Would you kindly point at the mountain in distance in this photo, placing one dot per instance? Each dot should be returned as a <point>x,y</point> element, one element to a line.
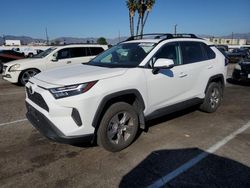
<point>69,40</point>
<point>24,39</point>
<point>61,40</point>
<point>235,36</point>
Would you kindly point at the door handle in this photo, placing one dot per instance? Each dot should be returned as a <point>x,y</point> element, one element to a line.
<point>68,62</point>
<point>182,74</point>
<point>210,66</point>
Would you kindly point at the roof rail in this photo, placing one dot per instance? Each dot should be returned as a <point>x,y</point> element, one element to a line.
<point>162,36</point>
<point>184,35</point>
<point>156,36</point>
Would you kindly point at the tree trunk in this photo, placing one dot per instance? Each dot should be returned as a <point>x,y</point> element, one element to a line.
<point>142,17</point>
<point>138,24</point>
<point>131,26</point>
<point>145,19</point>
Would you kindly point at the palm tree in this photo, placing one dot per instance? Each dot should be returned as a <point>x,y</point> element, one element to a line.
<point>149,5</point>
<point>143,9</point>
<point>132,6</point>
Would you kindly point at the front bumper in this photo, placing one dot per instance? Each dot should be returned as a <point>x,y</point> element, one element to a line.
<point>240,75</point>
<point>49,130</point>
<point>11,76</point>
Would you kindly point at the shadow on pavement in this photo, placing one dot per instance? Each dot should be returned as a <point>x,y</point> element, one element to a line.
<point>235,82</point>
<point>212,171</point>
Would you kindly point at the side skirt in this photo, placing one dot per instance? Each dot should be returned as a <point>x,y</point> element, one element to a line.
<point>173,108</point>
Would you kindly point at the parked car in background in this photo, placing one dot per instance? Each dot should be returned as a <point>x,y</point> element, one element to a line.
<point>9,55</point>
<point>222,48</point>
<point>237,54</point>
<point>28,51</point>
<point>241,71</point>
<point>20,71</point>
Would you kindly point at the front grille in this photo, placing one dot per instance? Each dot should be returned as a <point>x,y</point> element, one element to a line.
<point>37,99</point>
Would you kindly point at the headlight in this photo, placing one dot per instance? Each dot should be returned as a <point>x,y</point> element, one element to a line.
<point>238,67</point>
<point>14,67</point>
<point>71,90</point>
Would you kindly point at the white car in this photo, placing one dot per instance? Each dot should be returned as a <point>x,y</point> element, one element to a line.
<point>113,95</point>
<point>20,71</point>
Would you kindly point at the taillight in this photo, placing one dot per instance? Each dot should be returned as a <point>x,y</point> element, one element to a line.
<point>226,61</point>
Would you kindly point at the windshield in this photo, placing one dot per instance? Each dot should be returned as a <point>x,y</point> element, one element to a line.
<point>44,54</point>
<point>123,55</point>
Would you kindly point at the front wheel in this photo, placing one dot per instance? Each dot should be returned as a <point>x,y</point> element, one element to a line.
<point>213,98</point>
<point>118,127</point>
<point>26,75</point>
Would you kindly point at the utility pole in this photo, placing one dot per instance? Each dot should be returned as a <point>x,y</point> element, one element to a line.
<point>119,36</point>
<point>232,37</point>
<point>47,37</point>
<point>175,29</point>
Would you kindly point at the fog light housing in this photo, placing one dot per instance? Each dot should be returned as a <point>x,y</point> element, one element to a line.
<point>76,117</point>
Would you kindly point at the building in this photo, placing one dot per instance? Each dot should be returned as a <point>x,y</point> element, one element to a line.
<point>12,43</point>
<point>223,41</point>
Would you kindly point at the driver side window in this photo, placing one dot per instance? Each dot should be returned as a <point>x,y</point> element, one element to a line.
<point>168,51</point>
<point>63,54</point>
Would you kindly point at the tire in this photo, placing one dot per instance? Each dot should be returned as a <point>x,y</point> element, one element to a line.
<point>30,55</point>
<point>115,134</point>
<point>26,75</point>
<point>213,98</point>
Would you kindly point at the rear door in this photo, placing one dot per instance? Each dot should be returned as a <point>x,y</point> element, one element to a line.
<point>198,61</point>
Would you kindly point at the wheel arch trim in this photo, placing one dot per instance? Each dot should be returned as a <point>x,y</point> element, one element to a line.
<point>108,98</point>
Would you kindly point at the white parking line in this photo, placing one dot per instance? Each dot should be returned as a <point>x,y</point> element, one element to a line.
<point>12,122</point>
<point>168,177</point>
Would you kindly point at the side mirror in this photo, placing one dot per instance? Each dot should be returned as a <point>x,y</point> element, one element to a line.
<point>54,59</point>
<point>162,63</point>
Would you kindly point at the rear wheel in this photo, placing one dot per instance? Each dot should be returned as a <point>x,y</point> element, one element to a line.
<point>213,98</point>
<point>26,75</point>
<point>118,127</point>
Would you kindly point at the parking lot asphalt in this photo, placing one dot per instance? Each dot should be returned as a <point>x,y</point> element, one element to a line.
<point>185,149</point>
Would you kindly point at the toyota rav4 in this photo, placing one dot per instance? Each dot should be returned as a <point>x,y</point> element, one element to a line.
<point>110,98</point>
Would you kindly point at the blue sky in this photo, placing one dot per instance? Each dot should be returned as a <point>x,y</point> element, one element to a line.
<point>95,18</point>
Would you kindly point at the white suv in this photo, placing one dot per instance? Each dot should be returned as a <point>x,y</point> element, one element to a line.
<point>20,71</point>
<point>111,97</point>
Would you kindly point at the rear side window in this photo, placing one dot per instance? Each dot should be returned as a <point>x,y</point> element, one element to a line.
<point>96,50</point>
<point>210,52</point>
<point>192,52</point>
<point>78,52</point>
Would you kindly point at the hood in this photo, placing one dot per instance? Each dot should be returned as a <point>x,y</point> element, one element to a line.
<point>23,61</point>
<point>76,74</point>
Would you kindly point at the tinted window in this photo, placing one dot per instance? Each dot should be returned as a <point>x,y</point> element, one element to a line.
<point>78,52</point>
<point>63,54</point>
<point>96,50</point>
<point>210,52</point>
<point>192,52</point>
<point>169,51</point>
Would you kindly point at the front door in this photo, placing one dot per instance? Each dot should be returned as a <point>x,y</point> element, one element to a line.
<point>169,86</point>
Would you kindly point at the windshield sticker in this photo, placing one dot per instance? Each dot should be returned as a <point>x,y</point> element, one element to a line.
<point>146,44</point>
